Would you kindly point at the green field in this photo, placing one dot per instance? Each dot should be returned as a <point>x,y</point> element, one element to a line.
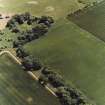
<point>92,20</point>
<point>18,88</point>
<point>74,53</point>
<point>77,55</point>
<point>54,8</point>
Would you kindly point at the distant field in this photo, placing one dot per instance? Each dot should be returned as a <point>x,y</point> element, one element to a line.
<point>77,55</point>
<point>93,20</point>
<point>18,88</point>
<point>39,7</point>
<point>54,8</point>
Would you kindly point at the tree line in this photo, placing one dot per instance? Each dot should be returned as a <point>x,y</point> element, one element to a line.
<point>67,94</point>
<point>28,61</point>
<point>40,26</point>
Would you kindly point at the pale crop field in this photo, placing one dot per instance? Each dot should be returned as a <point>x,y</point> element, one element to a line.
<point>18,88</point>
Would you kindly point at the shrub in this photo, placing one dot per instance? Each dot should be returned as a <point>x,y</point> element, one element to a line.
<point>31,64</point>
<point>21,53</point>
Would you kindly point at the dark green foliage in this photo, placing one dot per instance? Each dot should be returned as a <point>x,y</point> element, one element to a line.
<point>18,43</point>
<point>43,80</point>
<point>54,78</point>
<point>31,20</point>
<point>66,94</point>
<point>11,24</point>
<point>46,71</point>
<point>70,96</point>
<point>39,28</point>
<point>31,64</point>
<point>15,30</point>
<point>66,100</point>
<point>21,53</point>
<point>15,44</point>
<point>46,20</point>
<point>19,19</point>
<point>62,92</point>
<point>76,97</point>
<point>26,16</point>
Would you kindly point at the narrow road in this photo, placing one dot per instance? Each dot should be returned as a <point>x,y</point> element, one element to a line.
<point>29,72</point>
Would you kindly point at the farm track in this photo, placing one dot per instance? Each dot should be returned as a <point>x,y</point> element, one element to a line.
<point>4,20</point>
<point>35,77</point>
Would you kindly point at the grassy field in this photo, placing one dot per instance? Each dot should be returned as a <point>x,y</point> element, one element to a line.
<point>18,88</point>
<point>74,53</point>
<point>54,8</point>
<point>77,55</point>
<point>93,20</point>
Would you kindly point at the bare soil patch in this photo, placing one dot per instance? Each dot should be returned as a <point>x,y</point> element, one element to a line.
<point>4,18</point>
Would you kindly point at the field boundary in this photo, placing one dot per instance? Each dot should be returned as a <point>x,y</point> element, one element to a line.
<point>29,72</point>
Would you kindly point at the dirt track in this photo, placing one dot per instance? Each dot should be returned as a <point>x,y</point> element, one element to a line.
<point>4,21</point>
<point>29,72</point>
